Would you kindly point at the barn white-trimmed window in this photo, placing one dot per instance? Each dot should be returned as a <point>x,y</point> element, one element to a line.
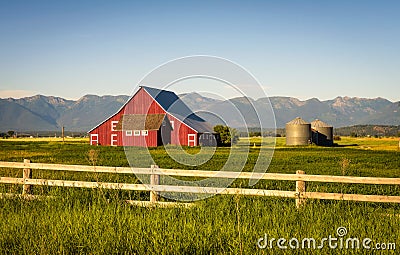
<point>172,124</point>
<point>136,133</point>
<point>145,132</point>
<point>128,132</point>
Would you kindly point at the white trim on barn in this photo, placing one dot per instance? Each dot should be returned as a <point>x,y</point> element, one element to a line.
<point>92,140</point>
<point>192,139</point>
<point>112,140</point>
<point>114,124</point>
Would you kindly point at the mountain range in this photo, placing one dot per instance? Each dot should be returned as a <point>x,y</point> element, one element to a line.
<point>48,113</point>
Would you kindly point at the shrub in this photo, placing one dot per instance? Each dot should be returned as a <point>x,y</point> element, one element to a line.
<point>227,135</point>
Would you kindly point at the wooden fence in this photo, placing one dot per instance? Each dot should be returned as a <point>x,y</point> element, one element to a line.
<point>300,194</point>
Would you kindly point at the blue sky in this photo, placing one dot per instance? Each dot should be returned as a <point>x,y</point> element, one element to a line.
<point>303,49</point>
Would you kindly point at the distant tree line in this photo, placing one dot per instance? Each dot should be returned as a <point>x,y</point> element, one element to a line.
<point>12,133</point>
<point>368,130</point>
<point>257,132</point>
<point>8,134</point>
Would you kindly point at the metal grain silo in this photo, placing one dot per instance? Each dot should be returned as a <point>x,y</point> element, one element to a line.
<point>322,133</point>
<point>298,132</point>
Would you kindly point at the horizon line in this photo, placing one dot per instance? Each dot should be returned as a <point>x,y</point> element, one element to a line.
<point>194,92</point>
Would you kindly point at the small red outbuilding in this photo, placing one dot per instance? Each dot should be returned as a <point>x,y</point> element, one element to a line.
<point>150,118</point>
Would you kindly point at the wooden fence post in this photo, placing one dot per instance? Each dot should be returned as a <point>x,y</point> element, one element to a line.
<point>300,189</point>
<point>27,174</point>
<point>154,180</point>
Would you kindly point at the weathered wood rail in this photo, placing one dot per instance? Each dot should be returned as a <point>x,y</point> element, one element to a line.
<point>300,194</point>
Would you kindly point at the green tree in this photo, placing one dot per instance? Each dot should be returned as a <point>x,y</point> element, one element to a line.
<point>353,134</point>
<point>227,135</point>
<point>254,134</point>
<point>10,133</point>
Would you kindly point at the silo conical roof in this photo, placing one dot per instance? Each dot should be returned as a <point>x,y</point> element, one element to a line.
<point>319,123</point>
<point>297,121</point>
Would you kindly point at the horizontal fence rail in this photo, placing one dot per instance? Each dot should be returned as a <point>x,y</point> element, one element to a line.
<point>204,173</point>
<point>155,188</point>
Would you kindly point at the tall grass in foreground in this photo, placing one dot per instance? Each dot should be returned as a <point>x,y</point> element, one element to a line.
<point>83,221</point>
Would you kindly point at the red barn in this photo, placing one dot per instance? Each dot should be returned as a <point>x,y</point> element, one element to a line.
<point>150,118</point>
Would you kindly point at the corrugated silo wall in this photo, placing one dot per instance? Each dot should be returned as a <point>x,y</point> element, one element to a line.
<point>324,136</point>
<point>298,134</point>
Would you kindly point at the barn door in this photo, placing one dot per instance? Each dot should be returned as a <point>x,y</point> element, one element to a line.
<point>166,130</point>
<point>192,140</point>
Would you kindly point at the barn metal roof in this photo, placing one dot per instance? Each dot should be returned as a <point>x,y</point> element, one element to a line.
<point>172,104</point>
<point>297,121</point>
<point>319,123</point>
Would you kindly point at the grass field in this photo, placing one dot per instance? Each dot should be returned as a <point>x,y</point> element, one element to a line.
<point>82,221</point>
